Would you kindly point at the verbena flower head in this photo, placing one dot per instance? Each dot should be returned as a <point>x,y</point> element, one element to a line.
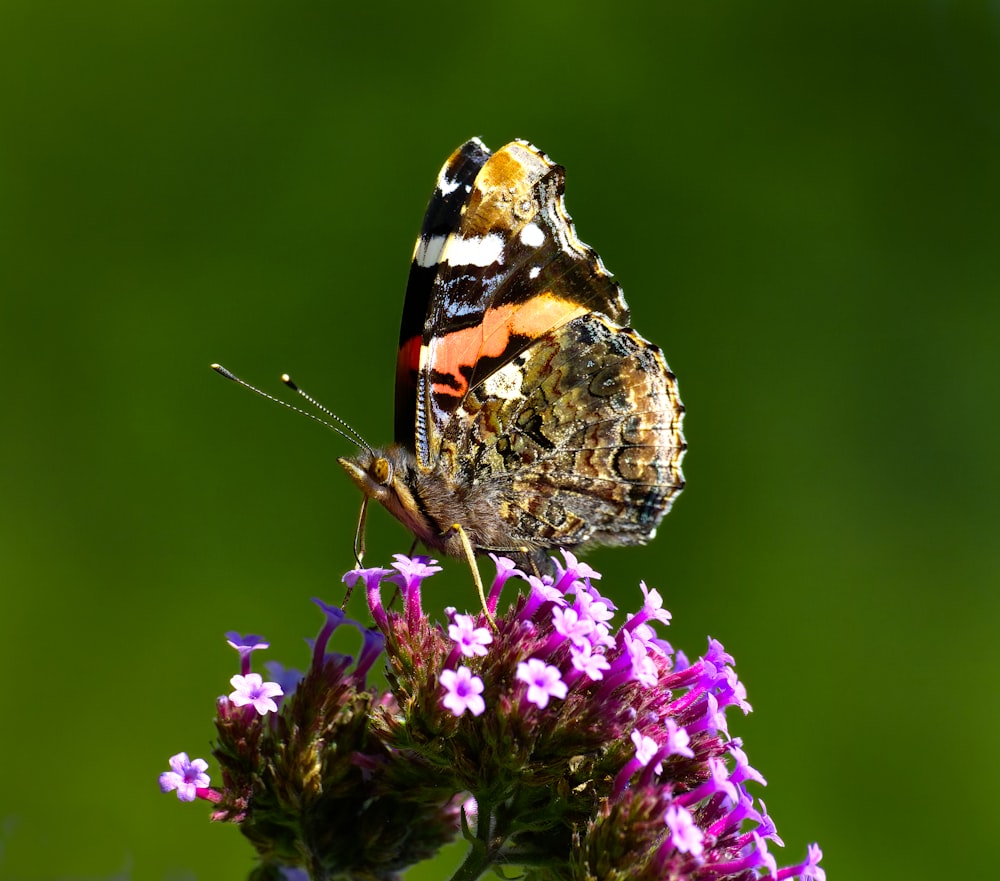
<point>548,736</point>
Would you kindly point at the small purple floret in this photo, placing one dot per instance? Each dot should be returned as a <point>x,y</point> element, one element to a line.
<point>186,775</point>
<point>246,646</point>
<point>286,677</point>
<point>685,835</point>
<point>506,569</point>
<point>373,581</point>
<point>645,749</point>
<point>544,681</point>
<point>464,691</point>
<point>588,662</point>
<point>410,572</point>
<point>472,640</point>
<point>373,646</point>
<point>252,690</point>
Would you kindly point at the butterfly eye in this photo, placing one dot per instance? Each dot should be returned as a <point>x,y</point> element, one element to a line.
<point>381,471</point>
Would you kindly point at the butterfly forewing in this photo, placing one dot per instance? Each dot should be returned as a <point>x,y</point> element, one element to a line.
<point>511,270</point>
<point>452,190</point>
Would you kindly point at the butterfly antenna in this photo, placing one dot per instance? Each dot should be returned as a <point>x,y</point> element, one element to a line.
<point>353,437</point>
<point>326,411</point>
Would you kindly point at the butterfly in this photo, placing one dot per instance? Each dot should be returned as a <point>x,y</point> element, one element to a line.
<point>529,416</point>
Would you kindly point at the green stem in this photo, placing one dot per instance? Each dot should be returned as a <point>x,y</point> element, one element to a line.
<point>475,864</point>
<point>485,846</point>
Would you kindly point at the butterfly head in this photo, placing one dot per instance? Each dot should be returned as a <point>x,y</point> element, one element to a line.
<point>388,476</point>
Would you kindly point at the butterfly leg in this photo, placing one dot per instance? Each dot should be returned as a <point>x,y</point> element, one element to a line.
<point>470,557</point>
<point>359,535</point>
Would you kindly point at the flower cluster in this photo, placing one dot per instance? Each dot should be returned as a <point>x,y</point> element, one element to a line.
<point>546,736</point>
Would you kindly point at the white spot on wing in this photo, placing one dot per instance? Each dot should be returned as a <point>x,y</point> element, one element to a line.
<point>532,235</point>
<point>505,383</point>
<point>534,272</point>
<point>428,251</point>
<point>446,185</point>
<point>473,252</point>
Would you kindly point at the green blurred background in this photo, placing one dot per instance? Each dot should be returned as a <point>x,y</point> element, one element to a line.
<point>802,202</point>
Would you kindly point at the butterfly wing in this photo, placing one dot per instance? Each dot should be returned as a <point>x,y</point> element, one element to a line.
<point>509,271</point>
<point>451,192</point>
<point>576,441</point>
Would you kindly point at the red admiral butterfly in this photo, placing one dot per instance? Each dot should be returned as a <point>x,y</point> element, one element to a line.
<point>529,415</point>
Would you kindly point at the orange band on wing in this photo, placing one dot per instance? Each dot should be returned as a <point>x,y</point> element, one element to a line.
<point>463,348</point>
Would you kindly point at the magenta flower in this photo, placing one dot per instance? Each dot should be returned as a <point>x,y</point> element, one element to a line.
<point>685,835</point>
<point>471,640</point>
<point>807,871</point>
<point>246,646</point>
<point>464,691</point>
<point>569,623</point>
<point>589,661</point>
<point>411,571</point>
<point>187,776</point>
<point>544,681</point>
<point>677,740</point>
<point>373,581</point>
<point>645,749</point>
<point>253,690</point>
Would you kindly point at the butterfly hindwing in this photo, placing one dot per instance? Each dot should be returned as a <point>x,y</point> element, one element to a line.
<point>579,437</point>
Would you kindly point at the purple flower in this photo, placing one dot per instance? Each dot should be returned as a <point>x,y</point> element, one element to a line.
<point>373,581</point>
<point>464,691</point>
<point>246,646</point>
<point>644,669</point>
<point>506,569</point>
<point>335,616</point>
<point>472,640</point>
<point>544,681</point>
<point>767,828</point>
<point>685,835</point>
<point>588,662</point>
<point>415,568</point>
<point>652,606</point>
<point>594,606</point>
<point>645,749</point>
<point>633,732</point>
<point>288,678</point>
<point>186,776</point>
<point>251,689</point>
<point>575,573</point>
<point>543,591</point>
<point>411,571</point>
<point>677,740</point>
<point>371,649</point>
<point>809,870</point>
<point>569,624</point>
